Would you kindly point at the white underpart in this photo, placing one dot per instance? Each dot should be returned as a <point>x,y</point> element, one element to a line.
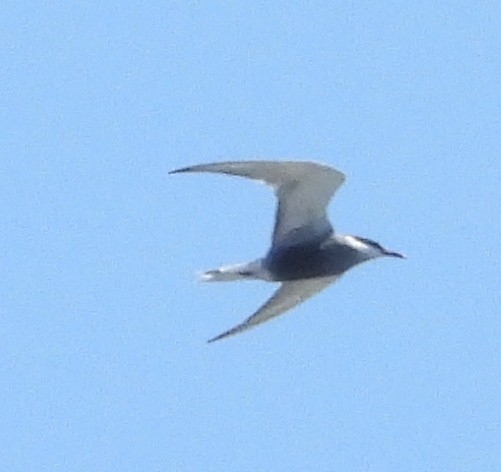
<point>368,250</point>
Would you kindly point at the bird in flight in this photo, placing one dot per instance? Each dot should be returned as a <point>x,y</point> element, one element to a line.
<point>306,255</point>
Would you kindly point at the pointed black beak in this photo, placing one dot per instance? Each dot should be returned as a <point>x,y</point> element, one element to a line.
<point>394,254</point>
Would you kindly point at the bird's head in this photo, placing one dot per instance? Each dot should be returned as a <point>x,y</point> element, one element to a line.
<point>371,249</point>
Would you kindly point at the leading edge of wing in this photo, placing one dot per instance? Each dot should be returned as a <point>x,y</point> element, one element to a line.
<point>288,295</point>
<point>274,173</point>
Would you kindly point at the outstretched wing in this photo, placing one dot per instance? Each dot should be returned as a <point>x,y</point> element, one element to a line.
<point>303,189</point>
<point>288,295</point>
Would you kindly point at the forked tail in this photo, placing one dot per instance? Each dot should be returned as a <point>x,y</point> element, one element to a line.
<point>248,271</point>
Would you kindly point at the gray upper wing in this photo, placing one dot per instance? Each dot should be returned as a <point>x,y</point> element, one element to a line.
<point>304,190</point>
<point>288,295</point>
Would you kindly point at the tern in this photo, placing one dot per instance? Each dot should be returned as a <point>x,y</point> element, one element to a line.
<point>306,254</point>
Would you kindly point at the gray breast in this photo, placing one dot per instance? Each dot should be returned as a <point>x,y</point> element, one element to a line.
<point>304,261</point>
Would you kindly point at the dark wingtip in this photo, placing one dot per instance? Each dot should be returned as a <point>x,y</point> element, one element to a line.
<point>226,334</point>
<point>180,171</point>
<point>217,338</point>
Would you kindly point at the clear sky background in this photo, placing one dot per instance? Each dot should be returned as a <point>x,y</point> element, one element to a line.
<point>103,360</point>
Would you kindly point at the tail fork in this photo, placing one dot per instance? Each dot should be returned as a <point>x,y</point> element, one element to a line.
<point>247,271</point>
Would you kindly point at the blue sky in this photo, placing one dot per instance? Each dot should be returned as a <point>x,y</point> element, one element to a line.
<point>103,360</point>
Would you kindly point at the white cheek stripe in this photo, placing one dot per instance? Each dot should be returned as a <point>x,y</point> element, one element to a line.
<point>362,247</point>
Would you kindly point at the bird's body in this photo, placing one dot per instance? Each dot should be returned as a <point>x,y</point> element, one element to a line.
<point>329,257</point>
<point>306,254</point>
